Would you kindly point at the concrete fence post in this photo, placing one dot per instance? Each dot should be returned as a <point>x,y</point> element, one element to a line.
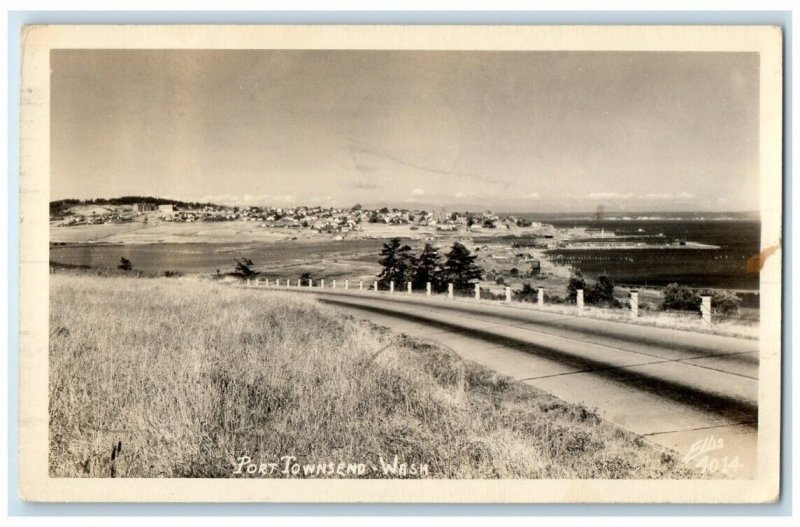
<point>310,282</point>
<point>346,284</point>
<point>449,290</point>
<point>334,284</point>
<point>428,289</point>
<point>322,284</point>
<point>409,288</point>
<point>634,304</point>
<point>277,282</point>
<point>579,299</point>
<point>477,291</point>
<point>391,286</point>
<point>248,282</point>
<point>375,285</point>
<point>298,282</point>
<point>540,296</point>
<point>361,285</point>
<point>288,283</point>
<point>705,309</point>
<point>508,294</point>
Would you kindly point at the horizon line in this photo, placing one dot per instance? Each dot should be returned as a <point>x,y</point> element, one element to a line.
<point>459,209</point>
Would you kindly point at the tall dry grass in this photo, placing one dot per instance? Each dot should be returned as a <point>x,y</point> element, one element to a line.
<point>191,375</point>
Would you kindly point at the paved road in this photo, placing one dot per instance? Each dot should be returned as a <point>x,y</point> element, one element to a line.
<point>676,388</point>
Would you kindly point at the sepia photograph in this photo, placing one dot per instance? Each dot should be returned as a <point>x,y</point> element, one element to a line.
<point>407,264</point>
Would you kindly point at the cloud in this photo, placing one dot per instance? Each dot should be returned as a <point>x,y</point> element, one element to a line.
<point>533,195</point>
<point>464,194</point>
<point>609,195</point>
<point>667,196</point>
<point>418,192</point>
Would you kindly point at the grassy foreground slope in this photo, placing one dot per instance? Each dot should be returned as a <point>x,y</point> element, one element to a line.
<point>191,375</point>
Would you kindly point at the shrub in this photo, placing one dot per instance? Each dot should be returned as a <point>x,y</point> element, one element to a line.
<point>488,294</point>
<point>244,268</point>
<point>125,264</point>
<point>526,294</point>
<point>554,299</point>
<point>576,281</point>
<point>684,298</point>
<point>723,302</point>
<point>680,298</point>
<point>603,290</point>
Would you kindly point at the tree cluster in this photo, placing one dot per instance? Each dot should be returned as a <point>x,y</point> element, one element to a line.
<point>401,266</point>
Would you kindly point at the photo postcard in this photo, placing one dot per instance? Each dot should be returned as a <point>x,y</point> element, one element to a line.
<point>514,264</point>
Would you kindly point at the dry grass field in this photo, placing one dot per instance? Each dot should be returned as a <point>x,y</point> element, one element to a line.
<point>191,375</point>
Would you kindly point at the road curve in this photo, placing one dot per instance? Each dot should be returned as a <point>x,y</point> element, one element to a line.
<point>675,387</point>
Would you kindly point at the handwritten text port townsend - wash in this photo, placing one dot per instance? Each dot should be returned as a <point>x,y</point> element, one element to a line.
<point>291,467</point>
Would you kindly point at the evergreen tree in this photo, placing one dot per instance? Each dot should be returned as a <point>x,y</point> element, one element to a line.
<point>460,268</point>
<point>397,263</point>
<point>428,268</point>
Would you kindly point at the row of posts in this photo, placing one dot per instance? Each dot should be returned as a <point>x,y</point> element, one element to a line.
<point>705,306</point>
<point>428,287</point>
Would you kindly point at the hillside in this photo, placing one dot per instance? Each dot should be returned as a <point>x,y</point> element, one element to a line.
<point>191,376</point>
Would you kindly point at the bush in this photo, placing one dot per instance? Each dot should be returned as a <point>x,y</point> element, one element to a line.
<point>723,302</point>
<point>680,298</point>
<point>526,294</point>
<point>576,282</point>
<point>554,299</point>
<point>244,269</point>
<point>603,290</point>
<point>487,294</point>
<point>125,264</point>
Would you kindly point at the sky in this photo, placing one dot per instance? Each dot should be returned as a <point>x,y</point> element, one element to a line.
<point>523,131</point>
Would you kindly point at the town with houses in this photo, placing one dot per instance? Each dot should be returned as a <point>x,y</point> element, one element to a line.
<point>328,220</point>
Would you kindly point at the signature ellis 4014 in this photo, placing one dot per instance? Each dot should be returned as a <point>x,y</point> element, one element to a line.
<point>699,454</point>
